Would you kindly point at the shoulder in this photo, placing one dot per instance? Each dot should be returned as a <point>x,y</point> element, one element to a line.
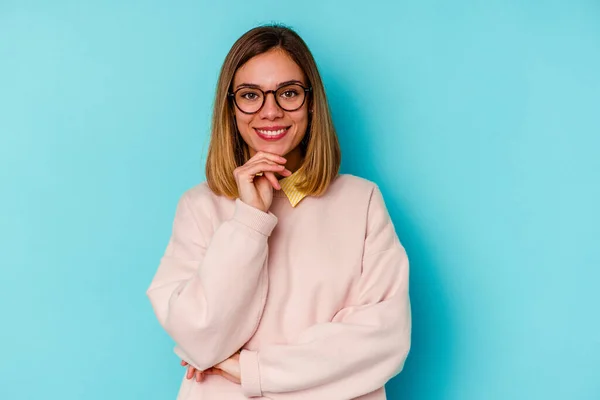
<point>349,194</point>
<point>360,193</point>
<point>203,202</point>
<point>200,192</point>
<point>351,185</point>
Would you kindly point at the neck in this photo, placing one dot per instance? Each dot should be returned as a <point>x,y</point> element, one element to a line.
<point>294,159</point>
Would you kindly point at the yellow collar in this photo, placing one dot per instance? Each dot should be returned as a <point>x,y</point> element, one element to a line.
<point>288,186</point>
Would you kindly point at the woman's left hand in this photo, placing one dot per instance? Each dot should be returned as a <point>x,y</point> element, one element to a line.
<point>228,369</point>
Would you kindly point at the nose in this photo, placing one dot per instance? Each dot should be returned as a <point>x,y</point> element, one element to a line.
<point>271,110</point>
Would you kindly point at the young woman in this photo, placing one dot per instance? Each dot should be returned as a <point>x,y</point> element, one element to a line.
<point>282,279</point>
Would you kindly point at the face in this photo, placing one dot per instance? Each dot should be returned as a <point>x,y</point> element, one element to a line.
<point>272,129</point>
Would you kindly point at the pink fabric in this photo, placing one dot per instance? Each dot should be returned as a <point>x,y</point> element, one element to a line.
<point>315,296</point>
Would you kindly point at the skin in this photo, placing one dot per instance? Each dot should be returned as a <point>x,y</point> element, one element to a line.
<point>228,369</point>
<point>269,158</point>
<point>269,70</point>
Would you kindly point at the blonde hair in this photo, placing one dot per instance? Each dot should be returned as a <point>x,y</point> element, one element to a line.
<point>227,150</point>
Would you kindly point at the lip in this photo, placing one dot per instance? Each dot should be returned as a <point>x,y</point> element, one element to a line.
<point>272,129</point>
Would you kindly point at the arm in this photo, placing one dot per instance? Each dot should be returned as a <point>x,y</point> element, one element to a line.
<point>364,345</point>
<point>210,288</point>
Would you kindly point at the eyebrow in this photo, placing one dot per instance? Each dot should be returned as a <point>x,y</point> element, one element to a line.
<point>255,86</point>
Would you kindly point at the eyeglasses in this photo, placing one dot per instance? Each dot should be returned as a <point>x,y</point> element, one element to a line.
<point>250,100</point>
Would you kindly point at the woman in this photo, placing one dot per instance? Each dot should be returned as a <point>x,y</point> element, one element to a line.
<point>281,279</point>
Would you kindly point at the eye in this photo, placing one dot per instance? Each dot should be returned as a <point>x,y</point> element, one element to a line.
<point>249,96</point>
<point>289,93</point>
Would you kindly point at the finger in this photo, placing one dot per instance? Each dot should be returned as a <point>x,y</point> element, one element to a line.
<point>190,372</point>
<point>273,180</point>
<point>259,160</point>
<point>249,165</point>
<point>183,363</point>
<point>253,169</point>
<point>269,156</point>
<point>199,376</point>
<point>281,173</point>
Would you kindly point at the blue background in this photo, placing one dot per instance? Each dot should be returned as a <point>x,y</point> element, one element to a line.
<point>480,120</point>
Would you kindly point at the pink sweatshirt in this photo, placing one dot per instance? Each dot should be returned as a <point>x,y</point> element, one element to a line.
<point>316,296</point>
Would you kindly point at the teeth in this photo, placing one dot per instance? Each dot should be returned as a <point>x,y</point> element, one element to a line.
<point>271,133</point>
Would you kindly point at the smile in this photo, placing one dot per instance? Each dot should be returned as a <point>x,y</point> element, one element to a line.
<point>274,133</point>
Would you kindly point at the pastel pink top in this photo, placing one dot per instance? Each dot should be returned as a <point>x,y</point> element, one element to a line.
<point>316,296</point>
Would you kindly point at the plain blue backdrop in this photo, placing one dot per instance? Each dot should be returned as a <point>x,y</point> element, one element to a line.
<point>480,121</point>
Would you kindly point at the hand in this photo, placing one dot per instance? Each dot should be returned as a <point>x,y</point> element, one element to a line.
<point>193,373</point>
<point>257,191</point>
<point>228,369</point>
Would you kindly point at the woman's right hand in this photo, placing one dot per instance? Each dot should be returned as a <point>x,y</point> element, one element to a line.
<point>257,191</point>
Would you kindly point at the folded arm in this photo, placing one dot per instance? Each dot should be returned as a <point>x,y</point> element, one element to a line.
<point>210,288</point>
<point>364,345</point>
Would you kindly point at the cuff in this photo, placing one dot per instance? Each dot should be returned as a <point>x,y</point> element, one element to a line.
<point>254,218</point>
<point>181,354</point>
<point>249,373</point>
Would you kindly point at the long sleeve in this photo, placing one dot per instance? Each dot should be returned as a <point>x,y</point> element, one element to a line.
<point>364,345</point>
<point>210,288</point>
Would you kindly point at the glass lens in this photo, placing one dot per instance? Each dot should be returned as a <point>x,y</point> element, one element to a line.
<point>249,100</point>
<point>290,97</point>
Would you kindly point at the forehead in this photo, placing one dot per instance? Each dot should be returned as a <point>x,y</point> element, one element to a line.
<point>268,70</point>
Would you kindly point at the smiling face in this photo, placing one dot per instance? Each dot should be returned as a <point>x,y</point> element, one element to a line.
<point>272,129</point>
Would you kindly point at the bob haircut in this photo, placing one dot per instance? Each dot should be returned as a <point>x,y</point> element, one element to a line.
<point>227,150</point>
